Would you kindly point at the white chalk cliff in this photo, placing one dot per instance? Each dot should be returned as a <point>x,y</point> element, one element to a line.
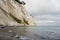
<point>13,13</point>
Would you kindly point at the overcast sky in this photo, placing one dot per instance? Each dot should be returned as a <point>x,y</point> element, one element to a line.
<point>47,12</point>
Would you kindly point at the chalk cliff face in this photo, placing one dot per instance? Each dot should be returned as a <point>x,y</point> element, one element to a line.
<point>13,13</point>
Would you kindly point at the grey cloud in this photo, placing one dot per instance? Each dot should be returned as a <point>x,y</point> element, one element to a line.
<point>46,12</point>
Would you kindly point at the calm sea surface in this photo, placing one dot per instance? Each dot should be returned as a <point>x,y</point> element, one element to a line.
<point>30,33</point>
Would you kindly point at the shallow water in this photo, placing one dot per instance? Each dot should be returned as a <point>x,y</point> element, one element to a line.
<point>30,33</point>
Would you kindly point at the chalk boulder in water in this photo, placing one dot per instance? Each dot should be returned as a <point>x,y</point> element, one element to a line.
<point>13,13</point>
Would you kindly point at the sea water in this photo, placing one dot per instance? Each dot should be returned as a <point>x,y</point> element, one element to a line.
<point>30,33</point>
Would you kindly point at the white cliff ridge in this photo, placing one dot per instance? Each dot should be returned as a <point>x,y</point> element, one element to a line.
<point>14,13</point>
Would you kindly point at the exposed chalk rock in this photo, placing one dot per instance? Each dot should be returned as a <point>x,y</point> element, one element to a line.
<point>13,13</point>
